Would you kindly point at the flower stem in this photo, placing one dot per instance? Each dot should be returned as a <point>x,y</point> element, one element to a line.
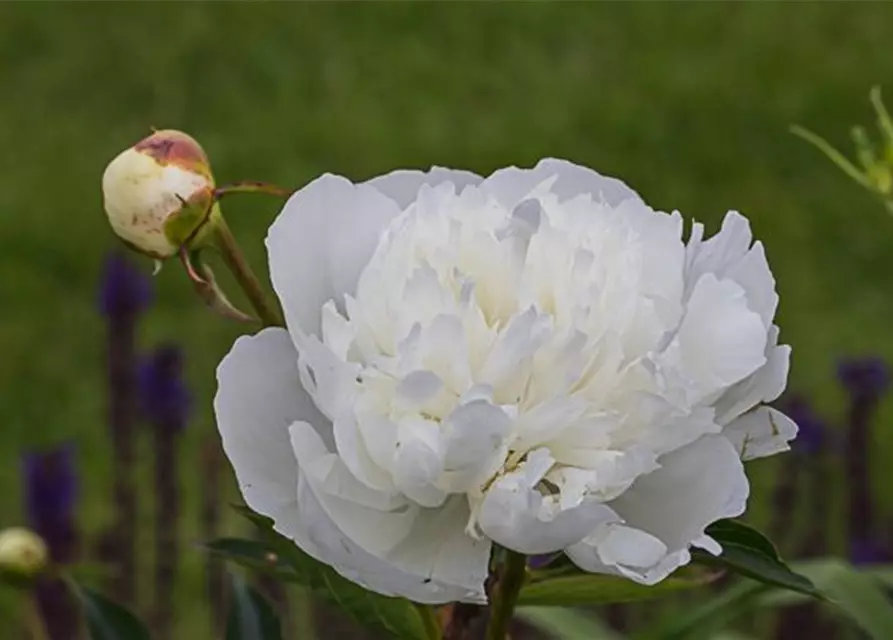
<point>505,595</point>
<point>241,270</point>
<point>429,619</point>
<point>33,620</point>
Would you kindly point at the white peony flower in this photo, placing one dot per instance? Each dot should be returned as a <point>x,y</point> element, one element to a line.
<point>535,359</point>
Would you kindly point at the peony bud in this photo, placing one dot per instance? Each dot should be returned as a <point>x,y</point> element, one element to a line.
<point>159,194</point>
<point>23,555</point>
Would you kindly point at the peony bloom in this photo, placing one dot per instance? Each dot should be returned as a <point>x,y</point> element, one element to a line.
<point>536,359</point>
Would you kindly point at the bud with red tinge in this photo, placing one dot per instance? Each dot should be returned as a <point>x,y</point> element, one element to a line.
<point>159,194</point>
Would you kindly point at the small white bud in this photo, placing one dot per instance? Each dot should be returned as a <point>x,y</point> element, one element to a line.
<point>158,193</point>
<point>23,555</point>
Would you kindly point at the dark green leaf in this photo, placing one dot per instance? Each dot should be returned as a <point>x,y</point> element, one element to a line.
<point>856,595</point>
<point>253,554</point>
<point>734,531</point>
<point>591,589</point>
<point>394,617</point>
<point>748,552</point>
<point>859,595</point>
<point>107,620</point>
<point>711,616</point>
<point>250,615</point>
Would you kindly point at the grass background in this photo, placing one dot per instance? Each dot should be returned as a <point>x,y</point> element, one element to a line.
<point>689,103</point>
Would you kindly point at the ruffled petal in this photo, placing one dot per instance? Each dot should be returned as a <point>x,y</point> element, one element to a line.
<point>259,395</point>
<point>512,185</point>
<point>669,508</point>
<point>402,186</point>
<point>319,244</point>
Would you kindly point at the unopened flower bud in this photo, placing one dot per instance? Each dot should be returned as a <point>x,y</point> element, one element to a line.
<point>23,555</point>
<point>159,193</point>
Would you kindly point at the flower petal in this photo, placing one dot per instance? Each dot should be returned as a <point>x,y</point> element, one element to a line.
<point>259,395</point>
<point>760,433</point>
<point>764,385</point>
<point>386,545</point>
<point>473,435</point>
<point>320,242</point>
<point>728,255</point>
<point>516,515</point>
<point>402,186</point>
<point>719,342</point>
<point>695,486</point>
<point>512,185</point>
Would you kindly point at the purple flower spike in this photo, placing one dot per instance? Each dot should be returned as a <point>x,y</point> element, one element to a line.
<point>866,380</point>
<point>51,491</point>
<point>124,289</point>
<point>864,377</point>
<point>164,398</point>
<point>814,433</point>
<point>868,551</point>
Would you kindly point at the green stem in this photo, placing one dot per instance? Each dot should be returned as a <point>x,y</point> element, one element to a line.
<point>505,595</point>
<point>251,187</point>
<point>241,270</point>
<point>33,621</point>
<point>429,619</point>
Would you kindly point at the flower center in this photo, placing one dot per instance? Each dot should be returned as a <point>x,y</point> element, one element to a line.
<point>526,326</point>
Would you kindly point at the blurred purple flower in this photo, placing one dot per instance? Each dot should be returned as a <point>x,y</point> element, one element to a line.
<point>542,561</point>
<point>51,489</point>
<point>124,292</point>
<point>868,551</point>
<point>124,289</point>
<point>867,377</point>
<point>814,433</point>
<point>164,398</point>
<point>165,403</point>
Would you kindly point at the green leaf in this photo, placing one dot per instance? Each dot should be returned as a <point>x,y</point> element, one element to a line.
<point>566,624</point>
<point>590,589</point>
<point>748,552</point>
<point>852,594</point>
<point>253,554</point>
<point>391,617</point>
<point>858,595</point>
<point>739,533</point>
<point>107,620</point>
<point>250,615</point>
<point>711,616</point>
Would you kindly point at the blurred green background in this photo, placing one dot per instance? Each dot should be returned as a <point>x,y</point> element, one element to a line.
<point>689,103</point>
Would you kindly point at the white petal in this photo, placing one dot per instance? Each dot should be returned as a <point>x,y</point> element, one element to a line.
<point>355,451</point>
<point>319,243</point>
<point>473,435</point>
<point>728,254</point>
<point>402,186</point>
<point>753,274</point>
<point>760,433</point>
<point>394,550</point>
<point>696,486</point>
<point>719,342</point>
<point>717,253</point>
<point>512,185</point>
<point>765,385</point>
<point>517,516</point>
<point>419,461</point>
<point>259,395</point>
